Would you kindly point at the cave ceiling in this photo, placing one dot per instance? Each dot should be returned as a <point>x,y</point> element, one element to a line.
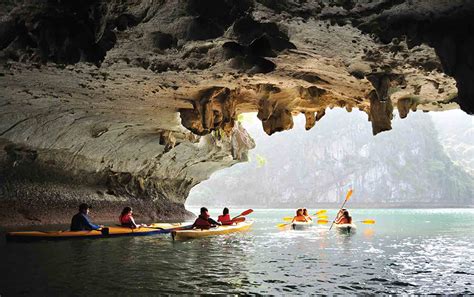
<point>195,65</point>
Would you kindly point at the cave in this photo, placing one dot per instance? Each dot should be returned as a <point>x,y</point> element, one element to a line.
<point>134,103</point>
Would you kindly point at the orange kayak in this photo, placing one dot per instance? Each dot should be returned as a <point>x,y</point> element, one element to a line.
<point>104,232</point>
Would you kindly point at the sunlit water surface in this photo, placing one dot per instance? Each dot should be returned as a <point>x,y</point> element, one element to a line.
<point>406,251</point>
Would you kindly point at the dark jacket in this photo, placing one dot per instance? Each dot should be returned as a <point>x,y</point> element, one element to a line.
<point>81,222</point>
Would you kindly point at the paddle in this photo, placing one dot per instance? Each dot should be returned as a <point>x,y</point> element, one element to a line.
<point>349,194</point>
<point>320,212</point>
<point>323,217</point>
<point>244,213</point>
<point>238,220</point>
<point>322,221</point>
<point>367,222</point>
<point>282,225</point>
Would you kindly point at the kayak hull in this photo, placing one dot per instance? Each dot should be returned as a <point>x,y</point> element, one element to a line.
<point>346,228</point>
<point>220,230</point>
<point>104,233</point>
<point>301,225</point>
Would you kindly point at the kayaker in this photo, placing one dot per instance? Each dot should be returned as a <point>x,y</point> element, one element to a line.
<point>81,221</point>
<point>306,215</point>
<point>126,218</point>
<point>225,219</point>
<point>345,218</point>
<point>339,214</point>
<point>299,216</point>
<point>204,220</point>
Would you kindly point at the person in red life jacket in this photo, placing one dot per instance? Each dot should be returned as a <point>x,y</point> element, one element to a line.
<point>345,218</point>
<point>204,220</point>
<point>225,219</point>
<point>126,219</point>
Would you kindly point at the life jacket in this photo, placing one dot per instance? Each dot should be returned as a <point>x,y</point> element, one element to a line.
<point>344,220</point>
<point>202,222</point>
<point>225,219</point>
<point>126,219</point>
<point>299,219</point>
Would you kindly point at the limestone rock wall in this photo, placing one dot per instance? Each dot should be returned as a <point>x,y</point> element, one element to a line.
<point>98,99</point>
<point>70,159</point>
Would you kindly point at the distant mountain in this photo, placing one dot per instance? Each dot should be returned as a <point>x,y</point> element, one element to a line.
<point>404,167</point>
<point>456,134</point>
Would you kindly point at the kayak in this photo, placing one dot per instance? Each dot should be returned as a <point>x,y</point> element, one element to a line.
<point>158,228</point>
<point>169,225</point>
<point>219,230</point>
<point>346,228</point>
<point>301,225</point>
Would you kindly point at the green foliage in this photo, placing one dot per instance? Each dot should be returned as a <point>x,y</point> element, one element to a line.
<point>261,161</point>
<point>246,118</point>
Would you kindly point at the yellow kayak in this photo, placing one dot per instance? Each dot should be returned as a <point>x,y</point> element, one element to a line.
<point>169,225</point>
<point>197,233</point>
<point>157,228</point>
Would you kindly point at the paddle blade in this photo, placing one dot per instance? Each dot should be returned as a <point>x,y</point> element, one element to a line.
<point>288,219</point>
<point>247,212</point>
<point>349,194</point>
<point>281,225</point>
<point>368,222</point>
<point>323,217</point>
<point>238,220</point>
<point>323,221</point>
<point>320,212</point>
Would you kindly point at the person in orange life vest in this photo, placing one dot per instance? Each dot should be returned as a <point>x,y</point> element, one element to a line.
<point>225,219</point>
<point>126,219</point>
<point>299,216</point>
<point>306,215</point>
<point>345,218</point>
<point>204,220</point>
<point>339,214</point>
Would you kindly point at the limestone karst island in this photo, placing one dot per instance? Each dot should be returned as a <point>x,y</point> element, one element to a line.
<point>250,147</point>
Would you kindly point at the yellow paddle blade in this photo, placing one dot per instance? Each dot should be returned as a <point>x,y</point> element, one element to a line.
<point>288,219</point>
<point>323,217</point>
<point>320,212</point>
<point>368,222</point>
<point>349,194</point>
<point>281,225</point>
<point>323,221</point>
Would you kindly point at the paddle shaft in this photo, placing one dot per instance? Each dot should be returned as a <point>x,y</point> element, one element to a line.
<point>345,200</point>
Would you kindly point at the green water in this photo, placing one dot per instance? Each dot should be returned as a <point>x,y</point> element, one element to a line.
<point>406,251</point>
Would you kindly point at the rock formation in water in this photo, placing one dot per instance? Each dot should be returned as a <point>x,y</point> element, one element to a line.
<point>125,102</point>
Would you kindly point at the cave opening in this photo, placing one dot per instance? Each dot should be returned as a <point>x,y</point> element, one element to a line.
<point>424,161</point>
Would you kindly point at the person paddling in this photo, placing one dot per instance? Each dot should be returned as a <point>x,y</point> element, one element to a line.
<point>127,220</point>
<point>225,219</point>
<point>339,214</point>
<point>204,220</point>
<point>81,221</point>
<point>306,215</point>
<point>344,218</point>
<point>299,216</point>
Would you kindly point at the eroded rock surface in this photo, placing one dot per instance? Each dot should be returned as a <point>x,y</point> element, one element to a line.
<point>134,102</point>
